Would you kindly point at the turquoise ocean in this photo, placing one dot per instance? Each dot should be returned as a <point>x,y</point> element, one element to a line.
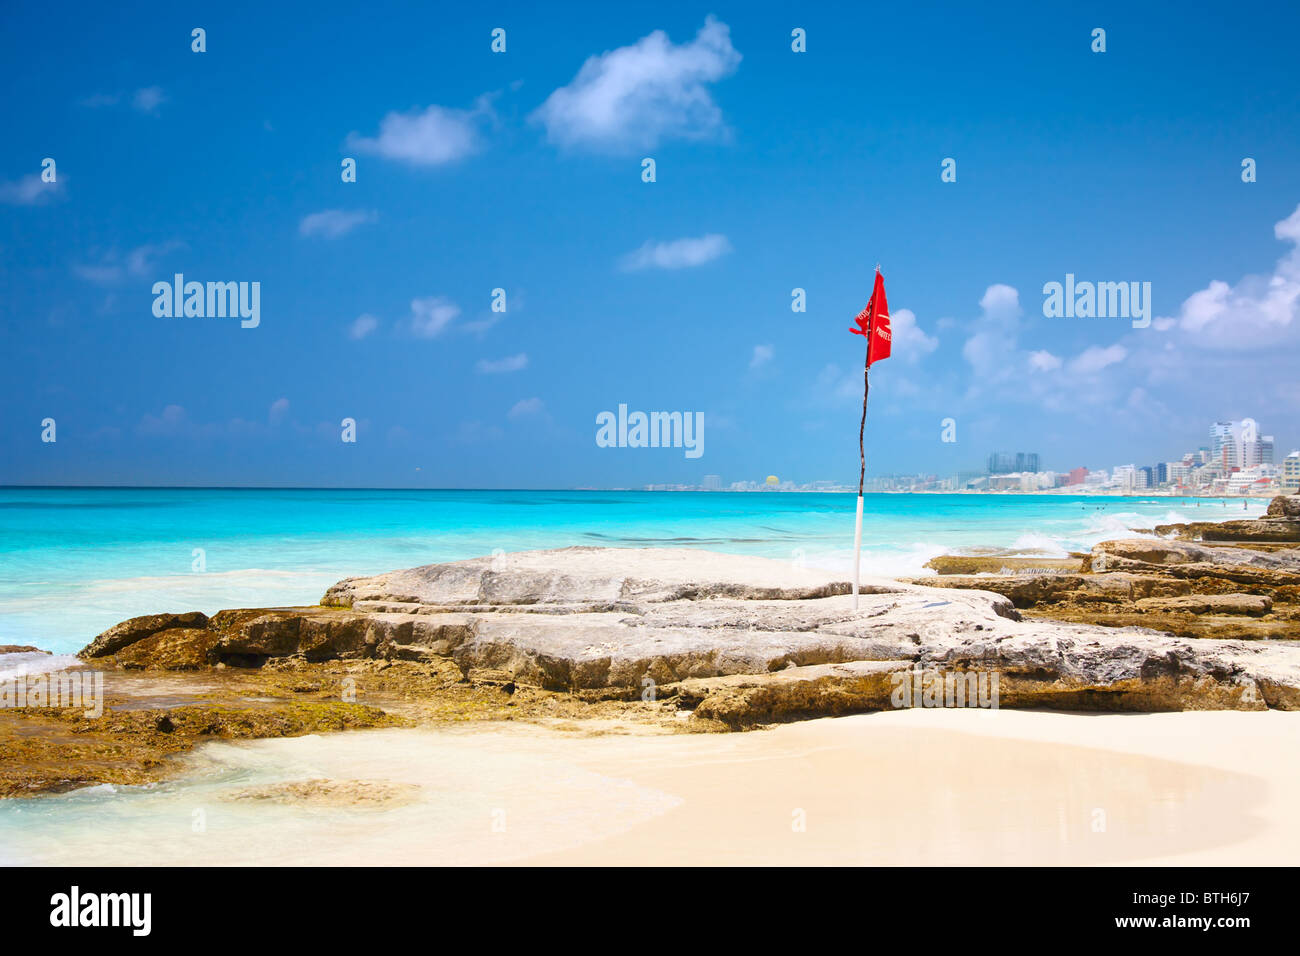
<point>76,561</point>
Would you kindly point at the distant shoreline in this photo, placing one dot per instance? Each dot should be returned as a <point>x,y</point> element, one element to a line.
<point>1056,492</point>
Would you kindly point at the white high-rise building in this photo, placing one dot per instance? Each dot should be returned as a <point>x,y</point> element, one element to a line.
<point>1291,473</point>
<point>1126,477</point>
<point>1223,449</point>
<point>1239,445</point>
<point>1266,450</point>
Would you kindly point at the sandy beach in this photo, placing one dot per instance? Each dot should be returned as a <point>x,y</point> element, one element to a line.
<point>930,787</point>
<point>967,787</point>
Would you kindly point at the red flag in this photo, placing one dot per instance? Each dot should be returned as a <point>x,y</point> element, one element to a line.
<point>873,322</point>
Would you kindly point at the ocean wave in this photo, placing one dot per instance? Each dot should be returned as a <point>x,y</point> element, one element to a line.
<point>877,562</point>
<point>1124,524</point>
<point>26,663</point>
<point>1035,543</point>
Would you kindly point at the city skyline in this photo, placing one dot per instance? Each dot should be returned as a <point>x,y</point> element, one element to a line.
<point>1238,460</point>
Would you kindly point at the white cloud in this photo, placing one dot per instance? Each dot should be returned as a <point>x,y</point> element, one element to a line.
<point>1257,312</point>
<point>677,253</point>
<point>148,99</point>
<point>430,316</point>
<point>908,341</point>
<point>1043,361</point>
<point>428,137</point>
<point>511,363</point>
<point>362,326</point>
<point>636,96</point>
<point>1092,360</point>
<point>998,363</point>
<point>835,385</point>
<point>1001,303</point>
<point>172,421</point>
<point>30,190</point>
<point>762,355</point>
<point>474,432</point>
<point>103,274</point>
<point>95,101</point>
<point>140,262</point>
<point>278,410</point>
<point>988,348</point>
<point>333,223</point>
<point>524,408</point>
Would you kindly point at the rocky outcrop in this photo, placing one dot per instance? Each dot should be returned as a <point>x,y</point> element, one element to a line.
<point>1280,524</point>
<point>591,578</point>
<point>52,750</point>
<point>1284,506</point>
<point>138,628</point>
<point>1256,605</point>
<point>1238,579</point>
<point>251,637</point>
<point>1183,559</point>
<point>981,564</point>
<point>741,640</point>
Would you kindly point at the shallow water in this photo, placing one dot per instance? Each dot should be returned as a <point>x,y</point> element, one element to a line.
<point>483,798</point>
<point>500,793</point>
<point>76,561</point>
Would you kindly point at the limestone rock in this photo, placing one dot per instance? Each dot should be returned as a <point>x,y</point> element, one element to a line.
<point>1254,529</point>
<point>137,628</point>
<point>1284,506</point>
<point>986,564</point>
<point>595,577</point>
<point>175,649</point>
<point>1190,560</point>
<point>1281,523</point>
<point>1253,604</point>
<point>1198,584</point>
<point>744,640</point>
<point>818,690</point>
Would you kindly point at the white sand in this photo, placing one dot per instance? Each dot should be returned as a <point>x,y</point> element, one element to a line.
<point>921,786</point>
<point>954,787</point>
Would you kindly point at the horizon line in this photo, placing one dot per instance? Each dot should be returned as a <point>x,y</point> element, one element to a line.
<point>721,491</point>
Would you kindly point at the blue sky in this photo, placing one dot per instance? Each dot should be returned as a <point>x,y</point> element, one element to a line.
<point>522,170</point>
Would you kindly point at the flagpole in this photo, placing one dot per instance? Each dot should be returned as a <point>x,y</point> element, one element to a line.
<point>862,457</point>
<point>862,474</point>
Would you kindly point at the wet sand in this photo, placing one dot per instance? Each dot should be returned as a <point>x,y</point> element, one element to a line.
<point>942,787</point>
<point>954,787</point>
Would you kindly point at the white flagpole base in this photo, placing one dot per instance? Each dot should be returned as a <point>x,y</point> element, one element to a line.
<point>857,552</point>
